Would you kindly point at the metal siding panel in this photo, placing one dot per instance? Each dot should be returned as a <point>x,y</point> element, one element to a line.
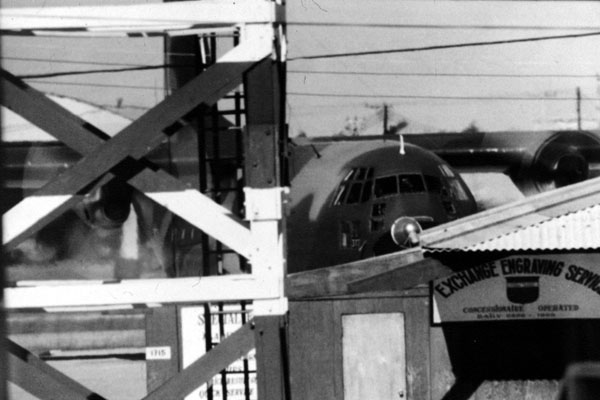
<point>500,221</point>
<point>577,230</point>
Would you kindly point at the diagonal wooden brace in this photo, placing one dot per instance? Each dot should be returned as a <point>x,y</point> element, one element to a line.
<point>40,379</point>
<point>121,153</point>
<point>232,348</point>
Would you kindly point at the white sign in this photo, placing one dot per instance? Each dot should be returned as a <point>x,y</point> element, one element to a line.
<point>158,353</point>
<point>546,286</point>
<point>223,322</point>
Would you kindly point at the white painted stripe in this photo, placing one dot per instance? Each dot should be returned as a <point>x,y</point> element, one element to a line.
<point>190,30</point>
<point>256,44</point>
<point>88,308</point>
<point>162,16</point>
<point>129,248</point>
<point>27,213</point>
<point>142,291</point>
<point>78,282</point>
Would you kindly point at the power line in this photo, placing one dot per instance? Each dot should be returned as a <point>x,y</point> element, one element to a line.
<point>66,61</point>
<point>443,74</point>
<point>46,47</point>
<point>441,26</point>
<point>95,71</point>
<point>107,85</point>
<point>434,97</point>
<point>445,46</point>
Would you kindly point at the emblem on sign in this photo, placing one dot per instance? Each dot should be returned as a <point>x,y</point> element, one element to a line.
<point>523,289</point>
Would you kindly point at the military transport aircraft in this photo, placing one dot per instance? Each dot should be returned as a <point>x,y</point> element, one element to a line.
<point>351,200</point>
<point>350,197</point>
<point>345,196</point>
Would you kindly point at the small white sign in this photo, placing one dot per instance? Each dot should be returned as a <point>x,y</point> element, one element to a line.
<point>158,353</point>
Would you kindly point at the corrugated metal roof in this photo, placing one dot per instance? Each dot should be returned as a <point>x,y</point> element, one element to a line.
<point>577,230</point>
<point>562,219</point>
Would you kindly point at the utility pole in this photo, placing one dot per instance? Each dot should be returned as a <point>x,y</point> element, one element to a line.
<point>385,119</point>
<point>578,109</point>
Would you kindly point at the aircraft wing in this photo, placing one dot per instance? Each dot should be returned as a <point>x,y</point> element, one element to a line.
<point>536,161</point>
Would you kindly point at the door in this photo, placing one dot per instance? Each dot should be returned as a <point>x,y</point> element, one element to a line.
<point>374,356</point>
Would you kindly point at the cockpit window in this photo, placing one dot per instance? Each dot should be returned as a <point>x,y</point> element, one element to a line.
<point>355,187</point>
<point>446,171</point>
<point>458,191</point>
<point>354,194</point>
<point>366,194</point>
<point>340,194</point>
<point>405,183</point>
<point>434,184</point>
<point>411,183</point>
<point>361,174</point>
<point>386,186</point>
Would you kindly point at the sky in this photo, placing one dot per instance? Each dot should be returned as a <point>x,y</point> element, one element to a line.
<point>416,101</point>
<point>516,86</point>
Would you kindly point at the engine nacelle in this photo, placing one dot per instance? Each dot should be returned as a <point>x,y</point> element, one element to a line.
<point>563,159</point>
<point>107,207</point>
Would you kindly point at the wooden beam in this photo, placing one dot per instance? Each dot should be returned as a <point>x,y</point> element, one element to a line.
<point>140,291</point>
<point>333,281</point>
<point>145,133</point>
<point>264,137</point>
<point>38,378</point>
<point>138,18</point>
<point>162,331</point>
<point>202,370</point>
<point>271,358</point>
<point>48,115</point>
<point>75,132</point>
<point>3,322</point>
<point>401,278</point>
<point>264,134</point>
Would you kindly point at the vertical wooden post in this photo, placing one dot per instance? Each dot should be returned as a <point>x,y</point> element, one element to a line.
<point>270,334</point>
<point>265,140</point>
<point>162,344</point>
<point>3,357</point>
<point>265,136</point>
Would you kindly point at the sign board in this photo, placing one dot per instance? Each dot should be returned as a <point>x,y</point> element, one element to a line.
<point>239,380</point>
<point>158,353</point>
<point>520,287</point>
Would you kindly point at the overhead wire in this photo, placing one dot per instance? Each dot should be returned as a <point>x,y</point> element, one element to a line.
<point>436,97</point>
<point>445,46</point>
<point>95,71</point>
<point>68,61</point>
<point>441,74</point>
<point>6,44</point>
<point>105,85</point>
<point>442,26</point>
<point>318,56</point>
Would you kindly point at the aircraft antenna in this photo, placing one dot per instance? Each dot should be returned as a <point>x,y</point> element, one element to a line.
<point>402,152</point>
